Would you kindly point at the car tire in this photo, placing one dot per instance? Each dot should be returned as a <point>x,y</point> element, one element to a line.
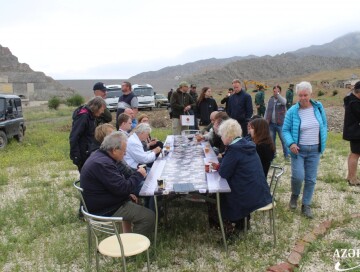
<point>158,105</point>
<point>3,140</point>
<point>20,136</point>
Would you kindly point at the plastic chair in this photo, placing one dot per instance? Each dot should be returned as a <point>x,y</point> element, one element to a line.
<point>275,178</point>
<point>116,244</point>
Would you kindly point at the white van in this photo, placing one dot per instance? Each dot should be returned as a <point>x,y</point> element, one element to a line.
<point>145,94</point>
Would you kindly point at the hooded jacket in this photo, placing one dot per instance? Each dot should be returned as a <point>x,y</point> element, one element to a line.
<point>82,135</point>
<point>351,129</point>
<point>292,123</point>
<point>241,167</point>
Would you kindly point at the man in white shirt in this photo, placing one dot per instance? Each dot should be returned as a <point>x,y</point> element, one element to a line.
<point>135,153</point>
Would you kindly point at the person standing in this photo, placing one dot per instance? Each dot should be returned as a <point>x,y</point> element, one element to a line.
<point>194,111</point>
<point>260,101</point>
<point>100,90</point>
<point>351,132</point>
<point>240,106</point>
<point>305,133</point>
<point>81,137</point>
<point>274,115</point>
<point>169,98</point>
<point>181,102</point>
<point>127,100</point>
<point>226,98</point>
<point>289,96</point>
<point>205,106</point>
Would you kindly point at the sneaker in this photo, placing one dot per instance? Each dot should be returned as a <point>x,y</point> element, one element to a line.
<point>306,211</point>
<point>293,201</point>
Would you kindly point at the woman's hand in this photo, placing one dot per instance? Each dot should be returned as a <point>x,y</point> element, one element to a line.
<point>294,149</point>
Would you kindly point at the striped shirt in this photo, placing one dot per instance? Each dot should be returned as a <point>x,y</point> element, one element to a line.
<point>309,128</point>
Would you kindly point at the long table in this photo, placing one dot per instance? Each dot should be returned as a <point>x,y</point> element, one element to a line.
<point>185,163</point>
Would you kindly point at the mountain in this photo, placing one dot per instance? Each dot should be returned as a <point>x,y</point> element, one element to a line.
<point>347,46</point>
<point>343,52</point>
<point>20,79</point>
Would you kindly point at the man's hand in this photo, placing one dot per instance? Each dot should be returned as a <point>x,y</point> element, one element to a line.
<point>142,171</point>
<point>187,108</point>
<point>133,198</point>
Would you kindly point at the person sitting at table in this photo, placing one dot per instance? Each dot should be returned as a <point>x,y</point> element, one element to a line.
<point>260,134</point>
<point>150,143</point>
<point>124,122</point>
<point>135,154</point>
<point>240,167</point>
<point>107,192</point>
<point>218,145</point>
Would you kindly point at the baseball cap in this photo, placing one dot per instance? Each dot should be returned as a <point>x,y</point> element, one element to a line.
<point>183,84</point>
<point>99,86</point>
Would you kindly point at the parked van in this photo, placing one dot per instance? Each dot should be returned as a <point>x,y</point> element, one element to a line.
<point>145,94</point>
<point>112,96</point>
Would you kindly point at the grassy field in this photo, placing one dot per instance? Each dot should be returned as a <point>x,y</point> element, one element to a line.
<point>40,231</point>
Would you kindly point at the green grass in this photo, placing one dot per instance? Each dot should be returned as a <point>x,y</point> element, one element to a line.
<point>40,231</point>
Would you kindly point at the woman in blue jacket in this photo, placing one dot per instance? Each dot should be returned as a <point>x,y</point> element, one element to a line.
<point>305,134</point>
<point>240,167</point>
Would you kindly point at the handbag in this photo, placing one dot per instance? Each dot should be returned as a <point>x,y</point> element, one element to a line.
<point>187,120</point>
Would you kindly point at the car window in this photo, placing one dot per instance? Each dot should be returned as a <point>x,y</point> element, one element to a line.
<point>144,91</point>
<point>2,107</point>
<point>112,94</point>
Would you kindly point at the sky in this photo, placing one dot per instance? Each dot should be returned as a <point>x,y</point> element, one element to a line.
<point>117,39</point>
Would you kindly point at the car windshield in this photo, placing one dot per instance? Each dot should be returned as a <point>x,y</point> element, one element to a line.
<point>144,91</point>
<point>160,96</point>
<point>112,94</point>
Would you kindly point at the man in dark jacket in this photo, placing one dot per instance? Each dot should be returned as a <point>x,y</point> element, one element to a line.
<point>83,128</point>
<point>106,190</point>
<point>351,132</point>
<point>181,102</point>
<point>239,106</point>
<point>100,90</point>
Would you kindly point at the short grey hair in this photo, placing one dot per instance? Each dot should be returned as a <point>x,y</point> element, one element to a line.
<point>304,86</point>
<point>113,141</point>
<point>96,103</point>
<point>236,80</point>
<point>230,129</point>
<point>142,127</point>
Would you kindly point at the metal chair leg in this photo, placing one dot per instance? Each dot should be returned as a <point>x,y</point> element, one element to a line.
<point>156,220</point>
<point>221,221</point>
<point>148,260</point>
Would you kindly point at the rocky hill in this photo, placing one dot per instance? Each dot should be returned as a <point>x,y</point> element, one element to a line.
<point>343,52</point>
<point>20,79</point>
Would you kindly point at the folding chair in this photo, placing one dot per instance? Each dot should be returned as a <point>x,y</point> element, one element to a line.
<point>275,178</point>
<point>116,244</point>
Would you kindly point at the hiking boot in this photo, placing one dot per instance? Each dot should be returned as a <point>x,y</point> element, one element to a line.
<point>293,201</point>
<point>306,211</point>
<point>355,182</point>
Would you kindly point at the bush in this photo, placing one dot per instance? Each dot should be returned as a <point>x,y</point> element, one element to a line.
<point>335,92</point>
<point>75,100</point>
<point>54,103</point>
<point>320,93</point>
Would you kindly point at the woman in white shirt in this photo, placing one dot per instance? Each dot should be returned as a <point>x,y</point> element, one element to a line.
<point>135,154</point>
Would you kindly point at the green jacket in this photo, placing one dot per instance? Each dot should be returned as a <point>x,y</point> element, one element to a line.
<point>289,98</point>
<point>179,101</point>
<point>260,98</point>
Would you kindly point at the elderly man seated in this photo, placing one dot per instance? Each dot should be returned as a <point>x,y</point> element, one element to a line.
<point>135,154</point>
<point>107,191</point>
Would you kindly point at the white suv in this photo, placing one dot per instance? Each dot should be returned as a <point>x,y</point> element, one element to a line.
<point>112,96</point>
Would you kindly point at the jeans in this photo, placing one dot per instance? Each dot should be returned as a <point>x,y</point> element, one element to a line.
<point>304,166</point>
<point>278,128</point>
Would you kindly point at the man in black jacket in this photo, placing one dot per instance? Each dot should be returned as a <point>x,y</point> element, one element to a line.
<point>107,192</point>
<point>351,132</point>
<point>83,128</point>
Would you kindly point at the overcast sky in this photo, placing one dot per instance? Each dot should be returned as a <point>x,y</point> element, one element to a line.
<point>87,39</point>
